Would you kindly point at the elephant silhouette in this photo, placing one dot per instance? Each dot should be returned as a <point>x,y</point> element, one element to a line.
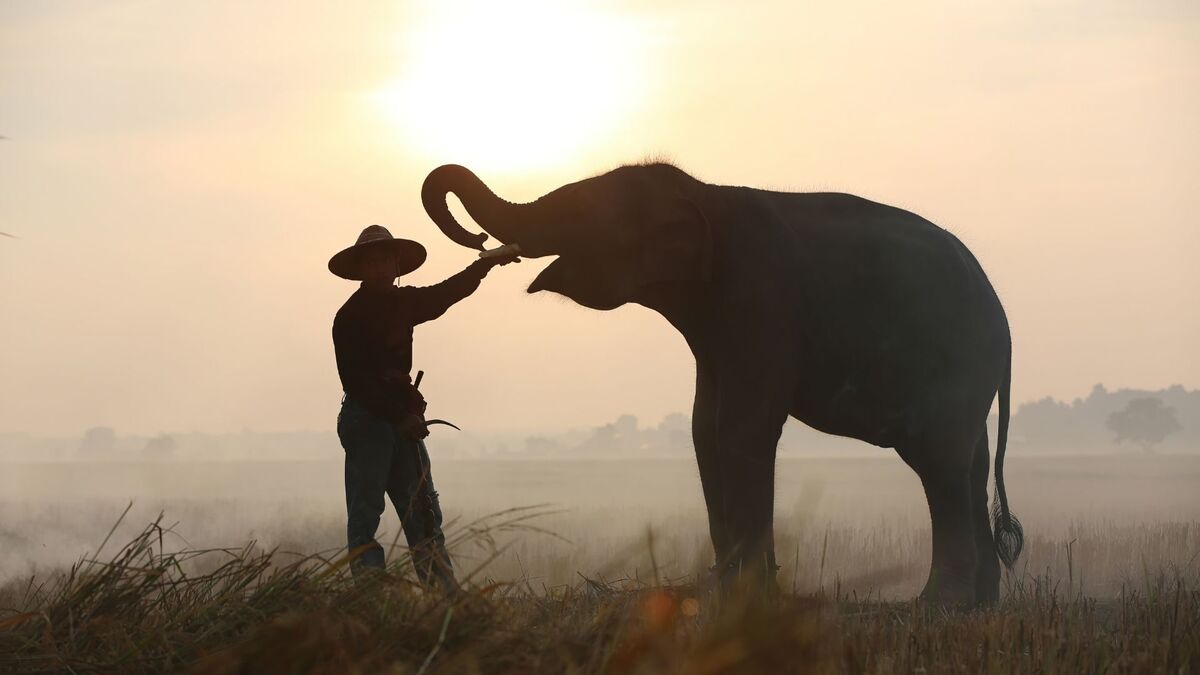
<point>857,318</point>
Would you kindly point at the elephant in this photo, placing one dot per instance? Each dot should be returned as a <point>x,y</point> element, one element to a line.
<point>857,318</point>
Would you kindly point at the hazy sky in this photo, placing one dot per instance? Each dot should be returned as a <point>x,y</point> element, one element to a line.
<point>178,173</point>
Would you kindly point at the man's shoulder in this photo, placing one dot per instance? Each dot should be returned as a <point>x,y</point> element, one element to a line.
<point>346,308</point>
<point>365,297</point>
<point>355,305</point>
<point>371,306</point>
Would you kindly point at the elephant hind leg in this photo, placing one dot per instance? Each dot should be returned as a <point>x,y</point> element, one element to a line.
<point>944,467</point>
<point>987,574</point>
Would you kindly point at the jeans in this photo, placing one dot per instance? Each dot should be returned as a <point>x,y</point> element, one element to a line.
<point>380,459</point>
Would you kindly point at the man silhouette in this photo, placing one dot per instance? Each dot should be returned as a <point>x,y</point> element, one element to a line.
<point>381,424</point>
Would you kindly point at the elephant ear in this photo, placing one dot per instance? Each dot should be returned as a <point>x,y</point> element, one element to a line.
<point>678,249</point>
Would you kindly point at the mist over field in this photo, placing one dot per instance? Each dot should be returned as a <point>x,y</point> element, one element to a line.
<point>847,513</point>
<point>607,492</point>
<point>1123,512</point>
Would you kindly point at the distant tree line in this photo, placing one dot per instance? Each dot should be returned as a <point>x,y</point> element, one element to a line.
<point>1167,418</point>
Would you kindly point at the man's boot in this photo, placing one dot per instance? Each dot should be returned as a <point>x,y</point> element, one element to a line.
<point>366,560</point>
<point>430,557</point>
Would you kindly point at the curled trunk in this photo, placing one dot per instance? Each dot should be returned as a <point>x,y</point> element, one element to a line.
<point>502,219</point>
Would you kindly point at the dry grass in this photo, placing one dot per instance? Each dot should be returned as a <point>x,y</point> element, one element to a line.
<point>148,608</point>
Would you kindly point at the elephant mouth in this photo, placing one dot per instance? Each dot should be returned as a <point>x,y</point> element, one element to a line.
<point>567,277</point>
<point>550,278</point>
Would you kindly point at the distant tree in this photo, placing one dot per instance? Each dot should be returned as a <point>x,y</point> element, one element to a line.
<point>676,422</point>
<point>604,435</point>
<point>98,441</point>
<point>1145,421</point>
<point>676,430</point>
<point>620,435</point>
<point>542,447</point>
<point>161,446</point>
<point>1045,422</point>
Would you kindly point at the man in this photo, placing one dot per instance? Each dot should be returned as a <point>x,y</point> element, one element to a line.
<point>381,424</point>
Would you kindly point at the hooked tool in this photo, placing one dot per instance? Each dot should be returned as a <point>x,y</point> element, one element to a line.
<point>430,423</point>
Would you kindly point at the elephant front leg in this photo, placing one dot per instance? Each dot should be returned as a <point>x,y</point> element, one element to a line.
<point>704,438</point>
<point>752,407</point>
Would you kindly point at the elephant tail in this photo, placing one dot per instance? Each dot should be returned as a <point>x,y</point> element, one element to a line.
<point>1009,535</point>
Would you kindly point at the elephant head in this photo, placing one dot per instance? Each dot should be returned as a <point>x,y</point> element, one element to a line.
<point>634,234</point>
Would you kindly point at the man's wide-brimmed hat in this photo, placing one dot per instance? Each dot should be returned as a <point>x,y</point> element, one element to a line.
<point>375,240</point>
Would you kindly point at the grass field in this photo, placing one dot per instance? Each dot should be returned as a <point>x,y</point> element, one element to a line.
<point>603,580</point>
<point>241,611</point>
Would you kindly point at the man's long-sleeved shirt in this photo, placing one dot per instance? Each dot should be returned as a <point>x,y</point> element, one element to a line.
<point>372,336</point>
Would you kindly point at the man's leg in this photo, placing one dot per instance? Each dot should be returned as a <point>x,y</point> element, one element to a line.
<point>410,487</point>
<point>368,442</point>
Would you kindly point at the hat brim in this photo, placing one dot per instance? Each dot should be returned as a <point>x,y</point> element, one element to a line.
<point>350,263</point>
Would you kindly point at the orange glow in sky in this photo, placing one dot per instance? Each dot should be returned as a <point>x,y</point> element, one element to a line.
<point>513,85</point>
<point>176,176</point>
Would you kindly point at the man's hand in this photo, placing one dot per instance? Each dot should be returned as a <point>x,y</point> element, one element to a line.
<point>413,426</point>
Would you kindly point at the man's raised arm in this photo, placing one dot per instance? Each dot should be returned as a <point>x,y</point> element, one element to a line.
<point>426,303</point>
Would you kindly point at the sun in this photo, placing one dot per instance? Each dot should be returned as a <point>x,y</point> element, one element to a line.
<point>513,85</point>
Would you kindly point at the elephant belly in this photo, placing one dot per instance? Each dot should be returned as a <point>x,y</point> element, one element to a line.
<point>892,379</point>
<point>855,416</point>
<point>881,400</point>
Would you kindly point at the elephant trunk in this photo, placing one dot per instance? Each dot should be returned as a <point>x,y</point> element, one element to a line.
<point>504,220</point>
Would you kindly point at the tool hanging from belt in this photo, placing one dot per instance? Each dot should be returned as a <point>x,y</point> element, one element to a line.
<point>430,423</point>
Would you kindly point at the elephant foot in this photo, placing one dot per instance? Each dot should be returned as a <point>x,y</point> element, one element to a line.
<point>987,587</point>
<point>745,578</point>
<point>946,588</point>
